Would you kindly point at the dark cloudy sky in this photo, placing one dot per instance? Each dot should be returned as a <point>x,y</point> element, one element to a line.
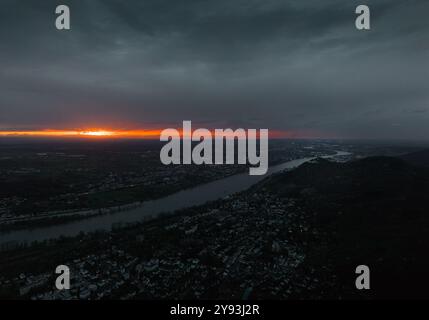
<point>296,65</point>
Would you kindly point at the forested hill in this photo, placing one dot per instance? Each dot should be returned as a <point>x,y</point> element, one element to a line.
<point>374,212</point>
<point>419,158</point>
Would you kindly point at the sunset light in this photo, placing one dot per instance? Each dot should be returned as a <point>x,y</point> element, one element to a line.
<point>89,133</point>
<point>98,133</point>
<point>124,134</point>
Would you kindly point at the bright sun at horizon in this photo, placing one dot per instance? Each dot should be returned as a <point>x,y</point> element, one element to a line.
<point>111,133</point>
<point>97,133</point>
<point>83,133</point>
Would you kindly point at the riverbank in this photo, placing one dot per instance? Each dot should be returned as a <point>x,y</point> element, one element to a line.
<point>150,209</point>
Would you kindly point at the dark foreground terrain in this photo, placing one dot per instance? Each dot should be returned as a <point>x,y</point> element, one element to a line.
<point>373,212</point>
<point>298,234</point>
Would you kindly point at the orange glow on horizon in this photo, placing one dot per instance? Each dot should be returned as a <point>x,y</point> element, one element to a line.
<point>131,134</point>
<point>97,133</point>
<point>90,133</point>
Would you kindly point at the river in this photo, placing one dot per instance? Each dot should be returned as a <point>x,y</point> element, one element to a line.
<point>187,198</point>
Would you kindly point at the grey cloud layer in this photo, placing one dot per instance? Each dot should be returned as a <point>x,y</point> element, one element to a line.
<point>294,65</point>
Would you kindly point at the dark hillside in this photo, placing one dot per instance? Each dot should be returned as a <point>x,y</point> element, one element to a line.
<point>374,212</point>
<point>419,158</point>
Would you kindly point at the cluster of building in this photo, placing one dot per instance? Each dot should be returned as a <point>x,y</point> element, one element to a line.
<point>245,246</point>
<point>250,244</point>
<point>154,179</point>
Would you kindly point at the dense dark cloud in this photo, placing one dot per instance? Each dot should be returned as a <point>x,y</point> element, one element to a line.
<point>292,65</point>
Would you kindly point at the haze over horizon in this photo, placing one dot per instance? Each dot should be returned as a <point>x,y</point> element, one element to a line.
<point>296,67</point>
